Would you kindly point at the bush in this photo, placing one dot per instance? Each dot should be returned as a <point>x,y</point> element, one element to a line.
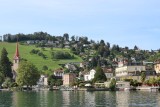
<point>61,55</point>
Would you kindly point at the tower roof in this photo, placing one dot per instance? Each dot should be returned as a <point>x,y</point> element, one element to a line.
<point>17,52</point>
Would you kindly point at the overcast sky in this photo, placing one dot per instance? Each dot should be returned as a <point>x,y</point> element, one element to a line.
<point>122,22</point>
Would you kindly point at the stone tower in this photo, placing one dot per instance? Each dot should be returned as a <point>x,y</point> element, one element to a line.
<point>16,59</point>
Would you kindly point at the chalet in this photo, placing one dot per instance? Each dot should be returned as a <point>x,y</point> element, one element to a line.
<point>59,72</point>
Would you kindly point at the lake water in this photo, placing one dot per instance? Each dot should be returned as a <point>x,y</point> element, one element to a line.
<point>80,99</point>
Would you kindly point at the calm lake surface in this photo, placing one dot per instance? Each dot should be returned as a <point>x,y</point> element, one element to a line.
<point>80,99</point>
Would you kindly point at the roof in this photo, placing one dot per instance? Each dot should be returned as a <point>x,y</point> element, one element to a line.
<point>17,52</point>
<point>107,70</point>
<point>60,70</point>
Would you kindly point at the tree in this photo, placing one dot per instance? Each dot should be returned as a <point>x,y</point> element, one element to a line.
<point>102,43</point>
<point>135,47</point>
<point>5,64</point>
<point>44,68</point>
<point>54,81</point>
<point>94,62</point>
<point>28,74</point>
<point>66,37</point>
<point>1,76</point>
<point>112,85</point>
<point>99,75</point>
<point>143,76</point>
<point>7,83</point>
<point>72,38</point>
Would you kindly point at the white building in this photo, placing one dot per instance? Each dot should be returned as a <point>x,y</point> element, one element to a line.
<point>43,81</point>
<point>90,75</point>
<point>129,70</point>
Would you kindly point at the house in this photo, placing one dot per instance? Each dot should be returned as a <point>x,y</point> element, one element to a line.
<point>71,67</point>
<point>84,64</point>
<point>43,81</point>
<point>30,42</point>
<point>129,70</point>
<point>59,72</point>
<point>67,46</point>
<point>157,66</point>
<point>69,79</point>
<point>89,75</point>
<point>82,73</point>
<point>108,72</point>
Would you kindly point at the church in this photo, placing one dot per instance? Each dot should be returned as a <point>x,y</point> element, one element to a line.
<point>16,61</point>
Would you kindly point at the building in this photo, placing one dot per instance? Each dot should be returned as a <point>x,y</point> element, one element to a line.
<point>89,75</point>
<point>108,72</point>
<point>43,81</point>
<point>59,72</point>
<point>16,61</point>
<point>157,66</point>
<point>69,79</point>
<point>70,66</point>
<point>129,70</point>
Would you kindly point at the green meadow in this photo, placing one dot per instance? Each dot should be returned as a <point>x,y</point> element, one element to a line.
<point>24,51</point>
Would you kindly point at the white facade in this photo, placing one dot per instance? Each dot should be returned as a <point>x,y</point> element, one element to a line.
<point>157,68</point>
<point>109,75</point>
<point>125,70</point>
<point>43,81</point>
<point>90,75</point>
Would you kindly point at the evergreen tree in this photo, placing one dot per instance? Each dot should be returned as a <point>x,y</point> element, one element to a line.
<point>5,64</point>
<point>99,75</point>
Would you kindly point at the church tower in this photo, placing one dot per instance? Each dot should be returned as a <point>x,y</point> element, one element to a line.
<point>16,59</point>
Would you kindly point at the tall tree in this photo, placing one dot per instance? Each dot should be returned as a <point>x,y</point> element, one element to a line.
<point>28,74</point>
<point>73,38</point>
<point>66,37</point>
<point>5,64</point>
<point>102,42</point>
<point>99,75</point>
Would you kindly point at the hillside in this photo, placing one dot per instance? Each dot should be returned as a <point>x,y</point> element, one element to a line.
<point>37,60</point>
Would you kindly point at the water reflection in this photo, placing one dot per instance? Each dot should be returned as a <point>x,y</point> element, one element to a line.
<point>79,99</point>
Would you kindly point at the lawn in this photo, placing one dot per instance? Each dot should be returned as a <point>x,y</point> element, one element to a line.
<point>24,51</point>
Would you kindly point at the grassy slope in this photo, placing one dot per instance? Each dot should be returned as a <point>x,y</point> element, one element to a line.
<point>37,60</point>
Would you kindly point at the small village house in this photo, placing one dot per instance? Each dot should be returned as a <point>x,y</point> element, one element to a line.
<point>157,66</point>
<point>59,72</point>
<point>69,79</point>
<point>89,75</point>
<point>108,72</point>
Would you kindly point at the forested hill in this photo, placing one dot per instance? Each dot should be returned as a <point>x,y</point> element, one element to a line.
<point>95,52</point>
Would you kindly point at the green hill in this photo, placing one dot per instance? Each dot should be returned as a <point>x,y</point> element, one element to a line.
<point>35,59</point>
